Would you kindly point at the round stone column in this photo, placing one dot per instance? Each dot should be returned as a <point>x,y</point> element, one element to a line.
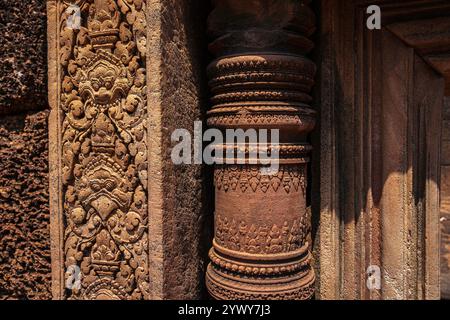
<point>261,79</point>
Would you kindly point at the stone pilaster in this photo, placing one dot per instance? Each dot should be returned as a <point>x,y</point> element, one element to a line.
<point>99,150</point>
<point>126,223</point>
<point>262,79</point>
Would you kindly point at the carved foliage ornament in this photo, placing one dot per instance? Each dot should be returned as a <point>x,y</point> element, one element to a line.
<point>289,178</point>
<point>104,149</point>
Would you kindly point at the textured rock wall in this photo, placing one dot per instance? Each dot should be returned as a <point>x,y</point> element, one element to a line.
<point>24,213</point>
<point>23,64</point>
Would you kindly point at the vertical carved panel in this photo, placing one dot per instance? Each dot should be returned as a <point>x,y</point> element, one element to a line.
<point>261,79</point>
<point>103,149</point>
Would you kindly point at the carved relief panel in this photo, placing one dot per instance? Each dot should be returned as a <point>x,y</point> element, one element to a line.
<point>101,238</point>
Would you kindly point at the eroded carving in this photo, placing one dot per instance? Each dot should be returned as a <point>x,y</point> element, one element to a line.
<point>104,149</point>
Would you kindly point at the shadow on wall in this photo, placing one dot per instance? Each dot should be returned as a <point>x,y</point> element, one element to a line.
<point>376,163</point>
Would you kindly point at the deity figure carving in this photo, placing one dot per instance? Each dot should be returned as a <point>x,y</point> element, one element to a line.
<point>104,150</point>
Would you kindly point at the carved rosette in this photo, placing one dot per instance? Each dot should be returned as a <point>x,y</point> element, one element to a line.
<point>104,149</point>
<point>262,80</point>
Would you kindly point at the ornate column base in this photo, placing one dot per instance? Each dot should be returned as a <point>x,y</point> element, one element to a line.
<point>231,276</point>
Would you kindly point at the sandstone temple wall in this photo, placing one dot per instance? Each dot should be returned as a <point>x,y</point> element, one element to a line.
<point>87,179</point>
<point>180,195</point>
<point>445,203</point>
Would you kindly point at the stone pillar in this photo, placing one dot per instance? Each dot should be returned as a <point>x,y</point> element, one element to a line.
<point>262,79</point>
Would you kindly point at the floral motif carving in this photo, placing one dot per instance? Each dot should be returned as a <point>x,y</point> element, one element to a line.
<point>242,119</point>
<point>288,178</point>
<point>104,148</point>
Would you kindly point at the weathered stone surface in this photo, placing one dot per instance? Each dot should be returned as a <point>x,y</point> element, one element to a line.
<point>377,183</point>
<point>24,212</point>
<point>130,220</point>
<point>445,205</point>
<point>187,189</point>
<point>23,56</point>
